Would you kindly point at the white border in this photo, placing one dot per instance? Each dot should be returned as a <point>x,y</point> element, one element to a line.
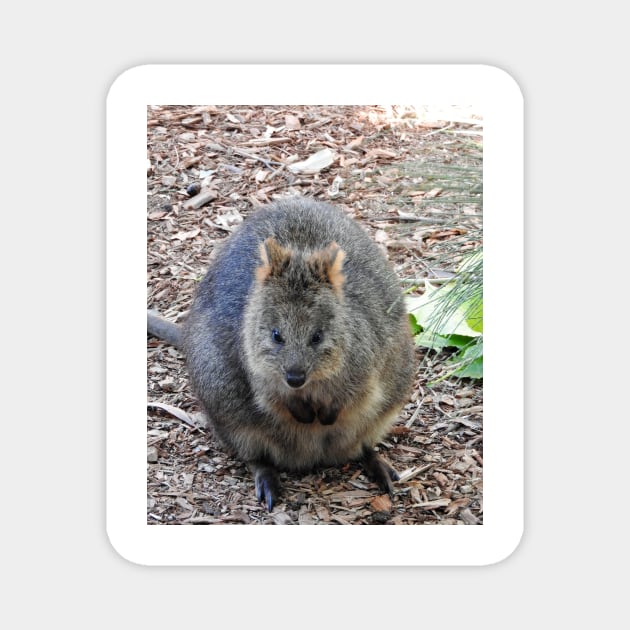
<point>492,92</point>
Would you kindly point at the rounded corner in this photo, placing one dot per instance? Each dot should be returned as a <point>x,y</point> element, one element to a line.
<point>120,549</point>
<point>505,552</point>
<point>504,79</point>
<point>124,79</point>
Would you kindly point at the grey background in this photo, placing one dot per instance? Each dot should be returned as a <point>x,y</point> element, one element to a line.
<point>57,565</point>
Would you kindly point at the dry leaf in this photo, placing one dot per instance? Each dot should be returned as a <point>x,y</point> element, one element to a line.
<point>154,216</point>
<point>317,162</point>
<point>433,193</point>
<point>372,154</point>
<point>174,411</point>
<point>229,219</point>
<point>184,236</point>
<point>292,122</point>
<point>353,144</point>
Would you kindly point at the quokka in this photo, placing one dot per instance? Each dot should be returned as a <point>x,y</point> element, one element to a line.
<point>298,344</point>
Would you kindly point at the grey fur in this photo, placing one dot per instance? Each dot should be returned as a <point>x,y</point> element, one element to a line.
<point>298,343</point>
<point>161,328</point>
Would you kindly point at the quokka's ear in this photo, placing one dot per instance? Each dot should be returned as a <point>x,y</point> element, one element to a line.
<point>327,264</point>
<point>274,258</point>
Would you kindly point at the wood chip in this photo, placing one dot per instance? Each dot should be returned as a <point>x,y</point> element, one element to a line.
<point>292,122</point>
<point>432,505</point>
<point>209,194</point>
<point>381,503</point>
<point>281,518</point>
<point>468,517</point>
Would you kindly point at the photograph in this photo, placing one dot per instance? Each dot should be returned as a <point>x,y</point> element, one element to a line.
<point>315,314</point>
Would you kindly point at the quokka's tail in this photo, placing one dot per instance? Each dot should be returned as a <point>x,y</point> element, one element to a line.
<point>161,328</point>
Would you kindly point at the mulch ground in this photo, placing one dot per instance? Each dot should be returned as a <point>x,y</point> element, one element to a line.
<point>208,168</point>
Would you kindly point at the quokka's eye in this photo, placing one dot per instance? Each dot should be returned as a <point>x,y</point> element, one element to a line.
<point>276,336</point>
<point>317,337</point>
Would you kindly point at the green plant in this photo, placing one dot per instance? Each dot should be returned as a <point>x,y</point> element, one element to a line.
<point>450,315</point>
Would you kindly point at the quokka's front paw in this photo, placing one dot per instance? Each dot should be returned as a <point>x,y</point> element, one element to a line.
<point>301,411</point>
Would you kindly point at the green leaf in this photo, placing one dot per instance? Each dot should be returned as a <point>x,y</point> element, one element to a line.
<point>433,312</point>
<point>415,327</point>
<point>461,341</point>
<point>469,360</point>
<point>474,369</point>
<point>474,315</point>
<point>432,340</point>
<point>473,350</point>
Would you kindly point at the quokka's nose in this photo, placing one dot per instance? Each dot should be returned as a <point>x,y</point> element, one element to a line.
<point>295,378</point>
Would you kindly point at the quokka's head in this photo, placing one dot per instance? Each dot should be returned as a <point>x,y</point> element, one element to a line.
<point>295,324</point>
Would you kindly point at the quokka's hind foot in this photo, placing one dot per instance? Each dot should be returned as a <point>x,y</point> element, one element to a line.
<point>268,487</point>
<point>379,470</point>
